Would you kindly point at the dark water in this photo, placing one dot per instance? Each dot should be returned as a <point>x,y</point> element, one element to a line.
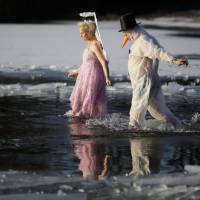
<point>35,137</point>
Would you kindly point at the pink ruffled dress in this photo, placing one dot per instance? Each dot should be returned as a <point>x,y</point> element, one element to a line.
<point>88,98</point>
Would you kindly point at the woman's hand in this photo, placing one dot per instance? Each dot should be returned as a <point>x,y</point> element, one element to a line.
<point>180,61</point>
<point>73,74</point>
<point>108,82</point>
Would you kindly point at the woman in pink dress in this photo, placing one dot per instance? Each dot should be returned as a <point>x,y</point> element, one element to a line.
<point>88,98</point>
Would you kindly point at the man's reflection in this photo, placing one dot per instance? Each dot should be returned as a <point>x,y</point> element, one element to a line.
<point>93,161</point>
<point>146,155</point>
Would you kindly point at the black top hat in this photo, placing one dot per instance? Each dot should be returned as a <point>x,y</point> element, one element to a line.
<point>127,22</point>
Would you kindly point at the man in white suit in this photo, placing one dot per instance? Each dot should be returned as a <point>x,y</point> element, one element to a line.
<point>143,61</point>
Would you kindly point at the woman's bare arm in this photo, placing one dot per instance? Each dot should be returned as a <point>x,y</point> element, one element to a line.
<point>97,50</point>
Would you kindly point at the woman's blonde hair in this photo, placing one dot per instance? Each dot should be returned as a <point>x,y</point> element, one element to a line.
<point>88,27</point>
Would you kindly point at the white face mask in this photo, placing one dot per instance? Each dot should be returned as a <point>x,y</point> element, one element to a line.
<point>131,35</point>
<point>134,34</point>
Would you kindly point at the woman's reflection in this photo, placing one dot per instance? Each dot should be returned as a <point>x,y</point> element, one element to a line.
<point>91,152</point>
<point>146,155</point>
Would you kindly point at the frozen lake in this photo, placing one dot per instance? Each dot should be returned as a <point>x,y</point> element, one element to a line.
<point>46,155</point>
<point>58,46</point>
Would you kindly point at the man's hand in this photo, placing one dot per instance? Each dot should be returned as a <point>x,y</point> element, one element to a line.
<point>180,61</point>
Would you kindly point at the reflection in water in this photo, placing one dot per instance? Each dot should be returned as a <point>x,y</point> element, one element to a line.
<point>93,161</point>
<point>146,155</point>
<point>99,159</point>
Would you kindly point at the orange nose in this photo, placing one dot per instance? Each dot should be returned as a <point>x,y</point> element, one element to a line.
<point>124,41</point>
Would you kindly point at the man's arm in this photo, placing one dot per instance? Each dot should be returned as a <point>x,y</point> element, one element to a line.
<point>155,51</point>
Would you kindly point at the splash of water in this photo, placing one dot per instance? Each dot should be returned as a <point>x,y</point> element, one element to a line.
<point>68,113</point>
<point>153,124</point>
<point>195,118</point>
<point>119,122</point>
<point>114,121</point>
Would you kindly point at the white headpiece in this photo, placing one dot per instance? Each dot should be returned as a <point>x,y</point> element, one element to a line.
<point>97,33</point>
